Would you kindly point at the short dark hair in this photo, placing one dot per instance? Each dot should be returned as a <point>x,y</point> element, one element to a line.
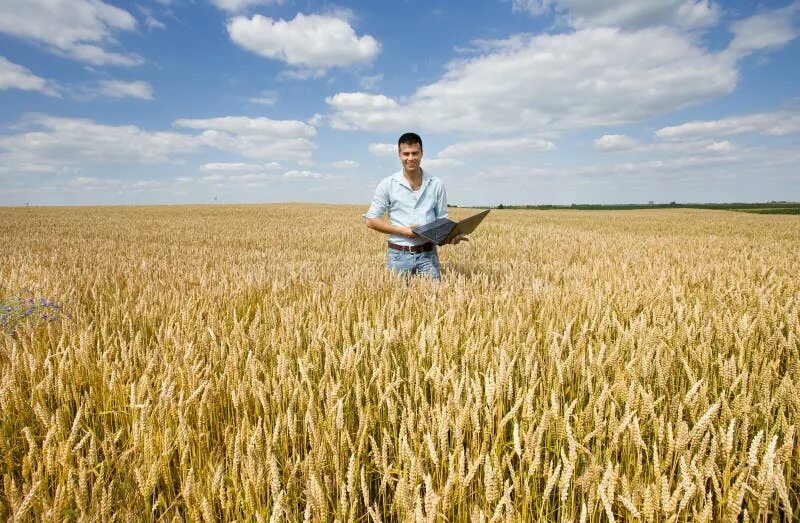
<point>410,139</point>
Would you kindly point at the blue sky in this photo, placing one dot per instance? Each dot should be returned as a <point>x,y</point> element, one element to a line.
<point>517,101</point>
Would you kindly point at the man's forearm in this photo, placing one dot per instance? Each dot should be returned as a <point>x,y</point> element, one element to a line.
<point>380,225</point>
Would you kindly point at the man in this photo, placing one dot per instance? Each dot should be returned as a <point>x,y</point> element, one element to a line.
<point>412,197</point>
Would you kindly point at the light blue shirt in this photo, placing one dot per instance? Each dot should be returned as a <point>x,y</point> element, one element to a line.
<point>407,207</point>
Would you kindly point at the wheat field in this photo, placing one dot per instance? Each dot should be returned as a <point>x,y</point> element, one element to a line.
<point>257,363</point>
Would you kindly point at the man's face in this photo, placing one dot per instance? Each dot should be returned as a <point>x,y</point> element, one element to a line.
<point>410,156</point>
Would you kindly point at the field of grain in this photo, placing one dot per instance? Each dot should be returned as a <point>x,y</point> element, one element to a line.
<point>257,363</point>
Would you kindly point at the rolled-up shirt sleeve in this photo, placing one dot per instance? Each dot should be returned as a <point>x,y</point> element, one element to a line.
<point>441,203</point>
<point>380,202</point>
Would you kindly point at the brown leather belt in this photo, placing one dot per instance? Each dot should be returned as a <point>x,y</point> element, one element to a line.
<point>425,247</point>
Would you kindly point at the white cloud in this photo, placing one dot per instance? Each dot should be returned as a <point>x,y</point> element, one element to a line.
<point>306,175</point>
<point>696,145</point>
<point>308,41</point>
<point>301,74</point>
<point>370,82</point>
<point>59,142</point>
<point>720,147</point>
<point>383,149</point>
<point>76,28</point>
<point>674,166</point>
<point>149,18</point>
<point>146,184</point>
<point>627,14</point>
<point>256,179</point>
<point>243,125</point>
<point>15,76</point>
<point>441,163</point>
<point>496,147</point>
<point>614,142</point>
<point>120,89</point>
<point>771,124</point>
<point>534,7</point>
<point>365,101</point>
<point>586,78</point>
<point>260,179</point>
<point>238,166</point>
<point>301,174</point>
<point>661,174</point>
<point>154,23</point>
<point>235,6</point>
<point>91,182</point>
<point>765,30</point>
<point>51,143</point>
<point>253,177</point>
<point>255,137</point>
<point>265,98</point>
<point>39,168</point>
<point>316,120</point>
<point>345,164</point>
<point>369,112</point>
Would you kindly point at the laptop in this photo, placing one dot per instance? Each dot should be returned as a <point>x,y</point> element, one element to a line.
<point>443,230</point>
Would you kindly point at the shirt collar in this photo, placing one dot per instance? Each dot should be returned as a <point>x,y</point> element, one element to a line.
<point>401,179</point>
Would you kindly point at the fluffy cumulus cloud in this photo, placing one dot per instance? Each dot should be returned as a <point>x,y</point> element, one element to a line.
<point>15,76</point>
<point>581,79</point>
<point>777,123</point>
<point>255,137</point>
<point>121,89</point>
<point>369,112</point>
<point>79,29</point>
<point>307,41</point>
<point>626,14</point>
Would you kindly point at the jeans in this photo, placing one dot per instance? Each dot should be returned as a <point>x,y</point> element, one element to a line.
<point>408,263</point>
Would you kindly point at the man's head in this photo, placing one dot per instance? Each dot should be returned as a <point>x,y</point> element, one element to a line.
<point>410,139</point>
<point>409,147</point>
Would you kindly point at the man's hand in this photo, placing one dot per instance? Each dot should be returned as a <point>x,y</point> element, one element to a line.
<point>458,238</point>
<point>410,231</point>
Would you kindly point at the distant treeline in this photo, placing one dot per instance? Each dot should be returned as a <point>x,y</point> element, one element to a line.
<point>759,208</point>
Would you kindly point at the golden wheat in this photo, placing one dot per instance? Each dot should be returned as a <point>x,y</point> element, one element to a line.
<point>258,363</point>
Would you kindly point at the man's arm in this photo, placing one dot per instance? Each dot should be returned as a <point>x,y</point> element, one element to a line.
<point>373,218</point>
<point>441,203</point>
<point>380,225</point>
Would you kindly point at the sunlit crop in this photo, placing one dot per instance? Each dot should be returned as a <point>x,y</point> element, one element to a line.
<point>259,363</point>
